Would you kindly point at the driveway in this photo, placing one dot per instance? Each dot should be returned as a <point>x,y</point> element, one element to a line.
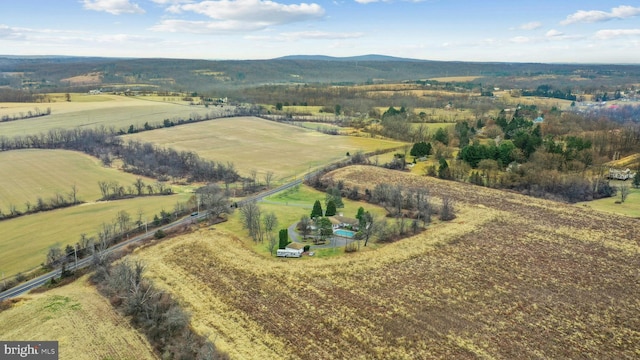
<point>334,241</point>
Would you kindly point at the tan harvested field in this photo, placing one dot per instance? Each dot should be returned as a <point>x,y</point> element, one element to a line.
<point>34,173</point>
<point>253,143</point>
<point>540,102</point>
<point>25,240</point>
<point>511,277</point>
<point>456,78</point>
<point>107,110</point>
<point>81,320</point>
<point>631,162</point>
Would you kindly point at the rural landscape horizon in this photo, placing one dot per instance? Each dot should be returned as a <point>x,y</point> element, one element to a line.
<point>363,179</point>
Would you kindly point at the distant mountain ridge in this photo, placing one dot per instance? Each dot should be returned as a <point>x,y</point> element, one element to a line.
<point>65,73</point>
<point>369,57</point>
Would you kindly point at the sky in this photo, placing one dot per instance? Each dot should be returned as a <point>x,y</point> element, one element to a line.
<point>547,31</point>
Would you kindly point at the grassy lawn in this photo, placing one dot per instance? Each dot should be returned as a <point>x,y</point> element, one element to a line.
<point>261,145</point>
<point>289,206</point>
<point>25,240</point>
<point>631,206</point>
<point>38,173</point>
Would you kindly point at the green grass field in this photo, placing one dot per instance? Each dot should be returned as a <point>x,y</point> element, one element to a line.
<point>34,173</point>
<point>94,111</point>
<point>631,206</point>
<point>252,143</point>
<point>25,240</point>
<point>289,206</point>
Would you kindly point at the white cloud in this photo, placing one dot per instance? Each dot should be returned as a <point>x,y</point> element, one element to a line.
<point>554,33</point>
<point>255,10</point>
<point>115,7</point>
<point>386,1</point>
<point>320,35</point>
<point>11,33</point>
<point>520,40</point>
<point>615,33</point>
<point>531,25</point>
<point>121,38</point>
<point>165,2</point>
<point>238,15</point>
<point>207,27</point>
<point>591,16</point>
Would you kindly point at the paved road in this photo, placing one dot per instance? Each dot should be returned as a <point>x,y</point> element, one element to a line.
<point>41,280</point>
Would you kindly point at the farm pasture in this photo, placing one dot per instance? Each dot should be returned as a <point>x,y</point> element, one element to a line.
<point>252,143</point>
<point>510,277</point>
<point>33,173</point>
<point>82,321</point>
<point>94,111</point>
<point>26,240</point>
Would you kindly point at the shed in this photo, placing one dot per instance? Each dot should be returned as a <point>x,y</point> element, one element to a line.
<point>295,246</point>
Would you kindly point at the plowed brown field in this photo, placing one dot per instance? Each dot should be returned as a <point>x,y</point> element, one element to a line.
<point>512,277</point>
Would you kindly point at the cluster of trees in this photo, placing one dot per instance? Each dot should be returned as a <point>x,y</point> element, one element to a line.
<point>149,160</point>
<point>28,115</point>
<point>549,91</point>
<point>57,201</point>
<point>112,190</point>
<point>261,225</point>
<point>153,311</point>
<point>11,95</point>
<point>411,208</point>
<point>139,158</point>
<point>122,226</point>
<point>214,200</point>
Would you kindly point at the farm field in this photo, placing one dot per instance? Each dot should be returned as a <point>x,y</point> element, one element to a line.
<point>34,173</point>
<point>253,143</point>
<point>25,240</point>
<point>510,277</point>
<point>102,110</point>
<point>81,320</point>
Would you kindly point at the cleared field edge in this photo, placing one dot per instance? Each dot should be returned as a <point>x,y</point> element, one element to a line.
<point>252,143</point>
<point>41,173</point>
<point>80,319</point>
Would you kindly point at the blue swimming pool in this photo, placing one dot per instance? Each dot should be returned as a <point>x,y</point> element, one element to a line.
<point>344,233</point>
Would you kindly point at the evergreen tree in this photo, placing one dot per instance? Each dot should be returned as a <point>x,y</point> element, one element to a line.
<point>331,208</point>
<point>636,179</point>
<point>443,170</point>
<point>420,149</point>
<point>317,210</point>
<point>283,239</point>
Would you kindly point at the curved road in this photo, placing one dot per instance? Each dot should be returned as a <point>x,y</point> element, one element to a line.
<point>42,279</point>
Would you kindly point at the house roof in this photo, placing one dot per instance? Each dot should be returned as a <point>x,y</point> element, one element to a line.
<point>345,220</point>
<point>295,246</point>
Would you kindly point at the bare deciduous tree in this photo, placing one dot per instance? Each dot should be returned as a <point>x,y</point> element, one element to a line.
<point>268,177</point>
<point>250,213</point>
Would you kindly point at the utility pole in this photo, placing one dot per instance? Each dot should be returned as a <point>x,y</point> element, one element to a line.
<point>75,252</point>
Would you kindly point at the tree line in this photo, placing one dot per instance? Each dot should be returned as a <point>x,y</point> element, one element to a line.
<point>139,158</point>
<point>153,311</point>
<point>57,201</point>
<point>28,115</point>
